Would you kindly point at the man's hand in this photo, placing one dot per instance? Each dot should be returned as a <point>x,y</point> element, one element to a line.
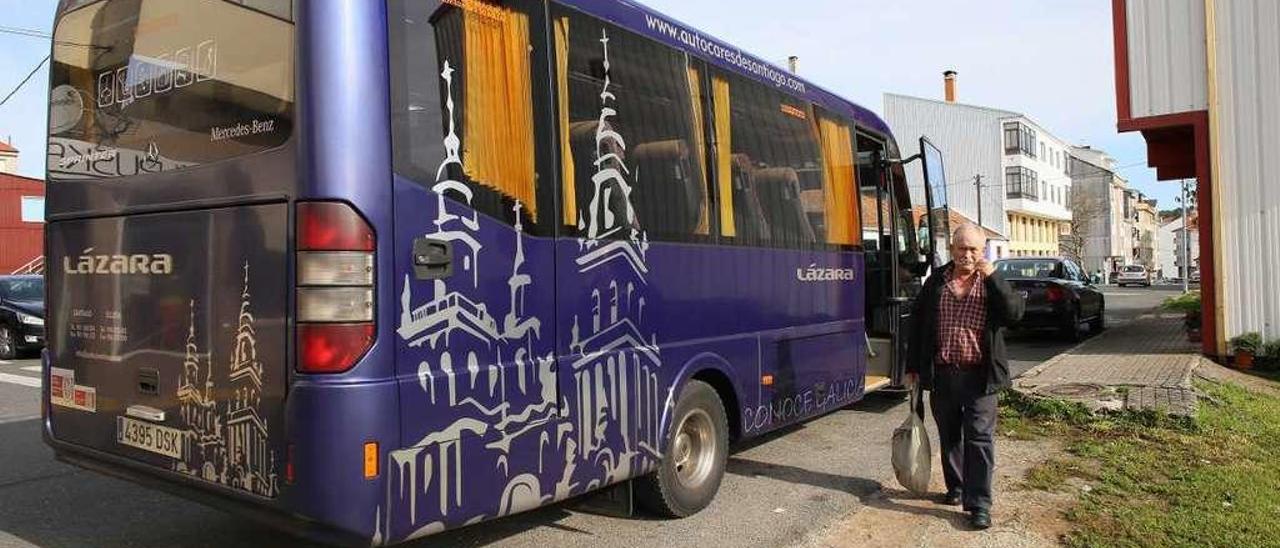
<point>985,267</point>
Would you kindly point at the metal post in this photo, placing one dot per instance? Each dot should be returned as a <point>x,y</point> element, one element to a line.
<point>977,185</point>
<point>1186,241</point>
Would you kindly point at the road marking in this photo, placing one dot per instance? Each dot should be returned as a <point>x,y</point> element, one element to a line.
<point>19,379</point>
<point>5,362</point>
<point>33,368</point>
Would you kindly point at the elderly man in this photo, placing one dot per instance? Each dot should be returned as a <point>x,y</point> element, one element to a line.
<point>957,353</point>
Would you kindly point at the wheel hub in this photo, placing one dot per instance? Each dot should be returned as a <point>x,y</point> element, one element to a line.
<point>694,448</point>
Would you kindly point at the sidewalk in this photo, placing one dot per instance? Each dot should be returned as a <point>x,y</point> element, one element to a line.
<point>1147,364</point>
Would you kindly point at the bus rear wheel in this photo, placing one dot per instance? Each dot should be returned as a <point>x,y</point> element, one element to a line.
<point>693,462</point>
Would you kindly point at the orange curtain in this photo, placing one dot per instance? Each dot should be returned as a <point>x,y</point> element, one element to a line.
<point>700,146</point>
<point>568,188</point>
<point>498,151</point>
<point>839,185</point>
<point>724,153</point>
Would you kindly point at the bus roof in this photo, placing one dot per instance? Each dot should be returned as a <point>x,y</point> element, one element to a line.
<point>645,21</point>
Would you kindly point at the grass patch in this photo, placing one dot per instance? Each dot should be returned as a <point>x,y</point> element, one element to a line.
<point>1158,481</point>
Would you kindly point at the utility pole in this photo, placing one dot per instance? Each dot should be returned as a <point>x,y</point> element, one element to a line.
<point>1186,243</point>
<point>977,185</point>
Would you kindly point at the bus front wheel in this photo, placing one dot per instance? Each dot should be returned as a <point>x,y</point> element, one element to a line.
<point>693,461</point>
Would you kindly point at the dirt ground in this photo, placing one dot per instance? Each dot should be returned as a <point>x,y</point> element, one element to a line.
<point>1022,517</point>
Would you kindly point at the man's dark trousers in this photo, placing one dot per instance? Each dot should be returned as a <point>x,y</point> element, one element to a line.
<point>966,419</point>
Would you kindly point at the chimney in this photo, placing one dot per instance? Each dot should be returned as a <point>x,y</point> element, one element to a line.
<point>949,83</point>
<point>792,62</point>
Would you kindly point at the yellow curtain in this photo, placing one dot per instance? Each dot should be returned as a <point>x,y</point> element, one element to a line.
<point>700,146</point>
<point>724,154</point>
<point>839,185</point>
<point>568,189</point>
<point>498,151</point>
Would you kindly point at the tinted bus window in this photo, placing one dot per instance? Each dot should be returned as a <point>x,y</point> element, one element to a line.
<point>651,134</point>
<point>144,86</point>
<point>774,166</point>
<point>464,87</point>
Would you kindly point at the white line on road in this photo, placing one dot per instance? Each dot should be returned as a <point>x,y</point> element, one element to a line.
<point>19,379</point>
<point>33,368</point>
<point>4,362</point>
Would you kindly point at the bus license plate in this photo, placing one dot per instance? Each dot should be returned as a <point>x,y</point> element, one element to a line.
<point>157,439</point>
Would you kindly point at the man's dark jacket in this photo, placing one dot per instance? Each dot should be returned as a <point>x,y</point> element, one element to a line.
<point>1004,307</point>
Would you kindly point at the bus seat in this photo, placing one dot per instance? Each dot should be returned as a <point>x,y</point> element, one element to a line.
<point>582,141</point>
<point>669,192</point>
<point>748,216</point>
<point>778,189</point>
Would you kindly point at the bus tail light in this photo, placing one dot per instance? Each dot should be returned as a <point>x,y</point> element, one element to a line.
<point>335,287</point>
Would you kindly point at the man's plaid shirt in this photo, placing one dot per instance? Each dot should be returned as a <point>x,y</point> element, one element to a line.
<point>961,322</point>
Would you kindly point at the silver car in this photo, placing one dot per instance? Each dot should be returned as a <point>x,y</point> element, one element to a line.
<point>1134,275</point>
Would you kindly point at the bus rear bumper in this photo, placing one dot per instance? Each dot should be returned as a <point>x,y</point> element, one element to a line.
<point>243,506</point>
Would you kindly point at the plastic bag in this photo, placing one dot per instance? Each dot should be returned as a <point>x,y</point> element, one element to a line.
<point>912,453</point>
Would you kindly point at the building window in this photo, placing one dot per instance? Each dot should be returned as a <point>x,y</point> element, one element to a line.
<point>1018,138</point>
<point>1020,182</point>
<point>33,209</point>
<point>1042,155</point>
<point>1012,137</point>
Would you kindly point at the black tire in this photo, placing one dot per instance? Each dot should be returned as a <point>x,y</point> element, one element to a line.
<point>1071,329</point>
<point>664,492</point>
<point>8,345</point>
<point>1099,324</point>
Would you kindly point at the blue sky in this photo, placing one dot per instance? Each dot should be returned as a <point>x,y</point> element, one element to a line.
<point>1049,59</point>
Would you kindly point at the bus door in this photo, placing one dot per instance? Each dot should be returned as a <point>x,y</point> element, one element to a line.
<point>892,257</point>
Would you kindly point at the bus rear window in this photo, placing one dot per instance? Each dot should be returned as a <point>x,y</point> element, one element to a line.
<point>146,86</point>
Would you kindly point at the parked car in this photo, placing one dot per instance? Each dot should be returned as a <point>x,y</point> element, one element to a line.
<point>1195,276</point>
<point>21,315</point>
<point>1059,295</point>
<point>1134,274</point>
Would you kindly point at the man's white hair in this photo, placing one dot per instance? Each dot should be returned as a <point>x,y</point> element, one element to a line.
<point>966,229</point>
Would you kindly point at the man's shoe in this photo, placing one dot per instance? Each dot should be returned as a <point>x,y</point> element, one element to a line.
<point>980,519</point>
<point>952,498</point>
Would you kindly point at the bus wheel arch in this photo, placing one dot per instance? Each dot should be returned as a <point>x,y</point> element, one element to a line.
<point>697,431</point>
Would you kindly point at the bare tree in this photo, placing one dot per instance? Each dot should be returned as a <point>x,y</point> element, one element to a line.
<point>1088,218</point>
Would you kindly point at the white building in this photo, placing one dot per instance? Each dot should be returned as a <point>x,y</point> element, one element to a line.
<point>1003,169</point>
<point>1166,257</point>
<point>1099,204</point>
<point>1198,78</point>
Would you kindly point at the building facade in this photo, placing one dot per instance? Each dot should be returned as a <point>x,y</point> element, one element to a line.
<point>21,218</point>
<point>1198,79</point>
<point>1098,205</point>
<point>1037,187</point>
<point>1003,170</point>
<point>969,138</point>
<point>1146,233</point>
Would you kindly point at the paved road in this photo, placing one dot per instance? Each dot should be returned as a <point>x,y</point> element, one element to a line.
<point>778,490</point>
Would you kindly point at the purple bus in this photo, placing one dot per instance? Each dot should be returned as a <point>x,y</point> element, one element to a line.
<point>370,270</point>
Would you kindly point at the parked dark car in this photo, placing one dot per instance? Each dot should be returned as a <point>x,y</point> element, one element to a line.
<point>21,315</point>
<point>1058,293</point>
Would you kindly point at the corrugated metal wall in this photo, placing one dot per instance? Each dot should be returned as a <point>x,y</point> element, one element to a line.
<point>19,242</point>
<point>1248,83</point>
<point>1167,67</point>
<point>971,144</point>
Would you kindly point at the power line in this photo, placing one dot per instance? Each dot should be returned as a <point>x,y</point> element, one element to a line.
<point>25,32</point>
<point>24,80</point>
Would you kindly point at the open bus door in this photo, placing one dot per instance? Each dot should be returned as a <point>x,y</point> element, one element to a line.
<point>905,232</point>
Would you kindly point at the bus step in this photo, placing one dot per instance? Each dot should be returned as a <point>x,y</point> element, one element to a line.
<point>616,501</point>
<point>875,382</point>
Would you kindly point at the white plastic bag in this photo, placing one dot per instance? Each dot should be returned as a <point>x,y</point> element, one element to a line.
<point>912,454</point>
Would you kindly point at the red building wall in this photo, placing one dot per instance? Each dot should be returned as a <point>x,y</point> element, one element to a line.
<point>20,242</point>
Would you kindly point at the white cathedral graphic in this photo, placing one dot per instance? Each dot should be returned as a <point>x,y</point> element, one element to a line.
<point>233,447</point>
